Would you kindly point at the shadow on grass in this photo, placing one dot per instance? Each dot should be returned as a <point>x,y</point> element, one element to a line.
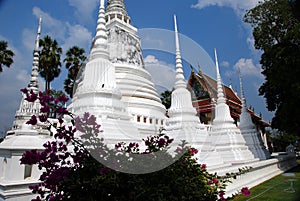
<point>284,187</point>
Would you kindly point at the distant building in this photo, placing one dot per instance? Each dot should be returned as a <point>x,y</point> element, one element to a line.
<point>204,96</point>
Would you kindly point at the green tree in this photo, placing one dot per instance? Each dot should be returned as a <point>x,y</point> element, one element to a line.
<point>74,61</point>
<point>166,98</point>
<point>49,64</point>
<point>281,140</point>
<point>183,180</point>
<point>276,32</point>
<point>6,55</point>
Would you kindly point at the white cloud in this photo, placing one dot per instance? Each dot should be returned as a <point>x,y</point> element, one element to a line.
<point>23,76</point>
<point>79,36</point>
<point>150,59</point>
<point>18,75</point>
<point>247,67</point>
<point>65,33</point>
<point>11,81</point>
<point>225,64</point>
<point>230,73</point>
<point>84,9</point>
<point>28,39</point>
<point>239,6</point>
<point>250,41</point>
<point>50,25</point>
<point>257,85</point>
<point>163,74</point>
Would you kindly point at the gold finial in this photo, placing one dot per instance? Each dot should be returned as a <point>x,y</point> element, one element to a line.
<point>192,68</point>
<point>199,68</point>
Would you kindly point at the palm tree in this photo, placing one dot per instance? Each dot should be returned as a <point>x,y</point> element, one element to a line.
<point>74,61</point>
<point>6,55</point>
<point>49,64</point>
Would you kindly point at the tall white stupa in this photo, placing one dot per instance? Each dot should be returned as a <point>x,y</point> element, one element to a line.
<point>252,137</point>
<point>98,93</point>
<point>138,92</point>
<point>227,138</point>
<point>15,179</point>
<point>27,109</point>
<point>183,122</point>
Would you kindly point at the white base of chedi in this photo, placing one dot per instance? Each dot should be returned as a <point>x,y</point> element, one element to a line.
<point>15,179</point>
<point>260,172</point>
<point>255,144</point>
<point>230,144</point>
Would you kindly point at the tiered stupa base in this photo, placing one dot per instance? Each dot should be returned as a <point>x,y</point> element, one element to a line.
<point>256,147</point>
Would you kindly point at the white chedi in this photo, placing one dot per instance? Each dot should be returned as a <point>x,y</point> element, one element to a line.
<point>183,124</point>
<point>98,94</point>
<point>134,81</point>
<point>225,136</point>
<point>252,137</point>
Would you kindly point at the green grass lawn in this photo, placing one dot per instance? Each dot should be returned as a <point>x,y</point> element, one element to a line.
<point>285,187</point>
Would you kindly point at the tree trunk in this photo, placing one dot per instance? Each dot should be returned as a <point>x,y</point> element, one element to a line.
<point>47,84</point>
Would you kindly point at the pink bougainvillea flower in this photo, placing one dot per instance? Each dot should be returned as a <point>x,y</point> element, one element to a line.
<point>45,109</point>
<point>161,142</point>
<point>43,118</point>
<point>215,181</point>
<point>31,97</point>
<point>104,170</point>
<point>203,166</point>
<point>32,121</point>
<point>221,195</point>
<point>25,91</point>
<point>193,151</point>
<point>91,120</point>
<point>245,191</point>
<point>63,99</point>
<point>179,149</point>
<point>30,157</point>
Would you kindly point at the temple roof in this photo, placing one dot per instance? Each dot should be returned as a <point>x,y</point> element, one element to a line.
<point>210,85</point>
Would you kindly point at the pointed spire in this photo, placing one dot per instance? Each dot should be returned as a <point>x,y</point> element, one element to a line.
<point>179,83</point>
<point>37,41</point>
<point>221,98</point>
<point>242,90</point>
<point>230,83</point>
<point>199,68</point>
<point>27,109</point>
<point>192,69</point>
<point>33,85</point>
<point>245,117</point>
<point>99,47</point>
<point>222,113</point>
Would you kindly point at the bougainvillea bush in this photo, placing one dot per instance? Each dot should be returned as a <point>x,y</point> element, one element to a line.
<point>69,172</point>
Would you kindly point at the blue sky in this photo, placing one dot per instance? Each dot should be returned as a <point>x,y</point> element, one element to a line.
<point>208,23</point>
